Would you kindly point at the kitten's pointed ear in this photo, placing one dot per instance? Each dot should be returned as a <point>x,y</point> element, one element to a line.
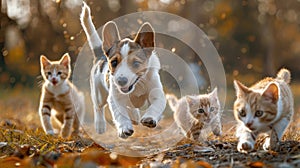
<point>145,36</point>
<point>214,93</point>
<point>65,60</point>
<point>271,93</point>
<point>240,89</point>
<point>110,35</point>
<point>189,100</point>
<point>44,61</point>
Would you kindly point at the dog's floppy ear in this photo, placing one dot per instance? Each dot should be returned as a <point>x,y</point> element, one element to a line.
<point>110,35</point>
<point>145,36</point>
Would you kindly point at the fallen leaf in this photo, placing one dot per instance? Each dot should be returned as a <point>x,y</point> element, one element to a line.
<point>126,161</point>
<point>204,164</point>
<point>189,164</point>
<point>3,144</point>
<point>296,156</point>
<point>257,164</point>
<point>22,151</point>
<point>15,162</point>
<point>273,153</point>
<point>203,149</point>
<point>97,156</point>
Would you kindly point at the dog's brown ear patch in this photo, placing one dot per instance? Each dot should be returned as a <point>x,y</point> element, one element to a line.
<point>110,35</point>
<point>145,36</point>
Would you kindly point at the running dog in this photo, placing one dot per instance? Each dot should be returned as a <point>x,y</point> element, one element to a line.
<point>125,75</point>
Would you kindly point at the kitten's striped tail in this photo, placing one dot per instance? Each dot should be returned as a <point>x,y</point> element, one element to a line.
<point>284,75</point>
<point>173,101</point>
<point>93,38</point>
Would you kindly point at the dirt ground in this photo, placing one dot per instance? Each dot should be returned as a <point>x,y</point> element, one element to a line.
<point>24,144</point>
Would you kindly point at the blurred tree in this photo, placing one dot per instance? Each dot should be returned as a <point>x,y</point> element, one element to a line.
<point>252,37</point>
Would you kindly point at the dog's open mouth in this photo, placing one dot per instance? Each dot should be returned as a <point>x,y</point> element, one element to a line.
<point>130,88</point>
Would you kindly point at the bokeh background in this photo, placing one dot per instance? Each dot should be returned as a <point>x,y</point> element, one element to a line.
<point>254,38</point>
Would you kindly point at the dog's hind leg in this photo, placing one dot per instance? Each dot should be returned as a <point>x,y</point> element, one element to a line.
<point>99,96</point>
<point>121,118</point>
<point>99,120</point>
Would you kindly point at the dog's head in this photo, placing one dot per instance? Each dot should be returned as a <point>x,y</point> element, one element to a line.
<point>128,59</point>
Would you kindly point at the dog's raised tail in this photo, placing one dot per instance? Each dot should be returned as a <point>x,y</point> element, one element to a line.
<point>93,38</point>
<point>173,101</point>
<point>284,75</point>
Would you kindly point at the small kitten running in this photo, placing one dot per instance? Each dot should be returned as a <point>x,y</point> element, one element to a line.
<point>193,113</point>
<point>266,107</point>
<point>59,94</point>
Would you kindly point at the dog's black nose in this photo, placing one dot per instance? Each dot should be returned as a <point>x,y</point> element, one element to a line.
<point>122,81</point>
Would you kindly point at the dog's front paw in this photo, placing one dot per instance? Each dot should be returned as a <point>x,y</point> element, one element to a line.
<point>50,132</point>
<point>245,147</point>
<point>125,132</point>
<point>100,128</point>
<point>148,122</point>
<point>217,131</point>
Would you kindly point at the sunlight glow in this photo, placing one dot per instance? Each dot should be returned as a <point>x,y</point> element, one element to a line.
<point>19,11</point>
<point>166,1</point>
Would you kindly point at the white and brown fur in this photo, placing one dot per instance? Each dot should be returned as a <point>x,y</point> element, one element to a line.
<point>194,113</point>
<point>125,75</point>
<point>60,99</point>
<point>266,107</point>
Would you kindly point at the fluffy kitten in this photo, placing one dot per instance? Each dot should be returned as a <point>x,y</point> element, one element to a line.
<point>59,94</point>
<point>193,113</point>
<point>267,106</point>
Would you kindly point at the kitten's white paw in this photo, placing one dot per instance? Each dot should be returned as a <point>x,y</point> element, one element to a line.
<point>266,145</point>
<point>270,145</point>
<point>65,133</point>
<point>125,131</point>
<point>245,146</point>
<point>50,132</point>
<point>76,133</point>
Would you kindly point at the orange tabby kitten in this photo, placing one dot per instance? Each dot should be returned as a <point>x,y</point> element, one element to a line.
<point>59,94</point>
<point>193,113</point>
<point>266,107</point>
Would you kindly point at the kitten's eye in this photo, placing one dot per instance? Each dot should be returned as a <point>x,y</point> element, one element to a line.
<point>242,113</point>
<point>114,63</point>
<point>59,73</point>
<point>136,64</point>
<point>211,109</point>
<point>259,113</point>
<point>48,73</point>
<point>201,110</point>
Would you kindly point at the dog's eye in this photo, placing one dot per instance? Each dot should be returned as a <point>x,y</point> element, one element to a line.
<point>242,113</point>
<point>48,73</point>
<point>136,64</point>
<point>201,110</point>
<point>58,73</point>
<point>211,109</point>
<point>259,113</point>
<point>114,63</point>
